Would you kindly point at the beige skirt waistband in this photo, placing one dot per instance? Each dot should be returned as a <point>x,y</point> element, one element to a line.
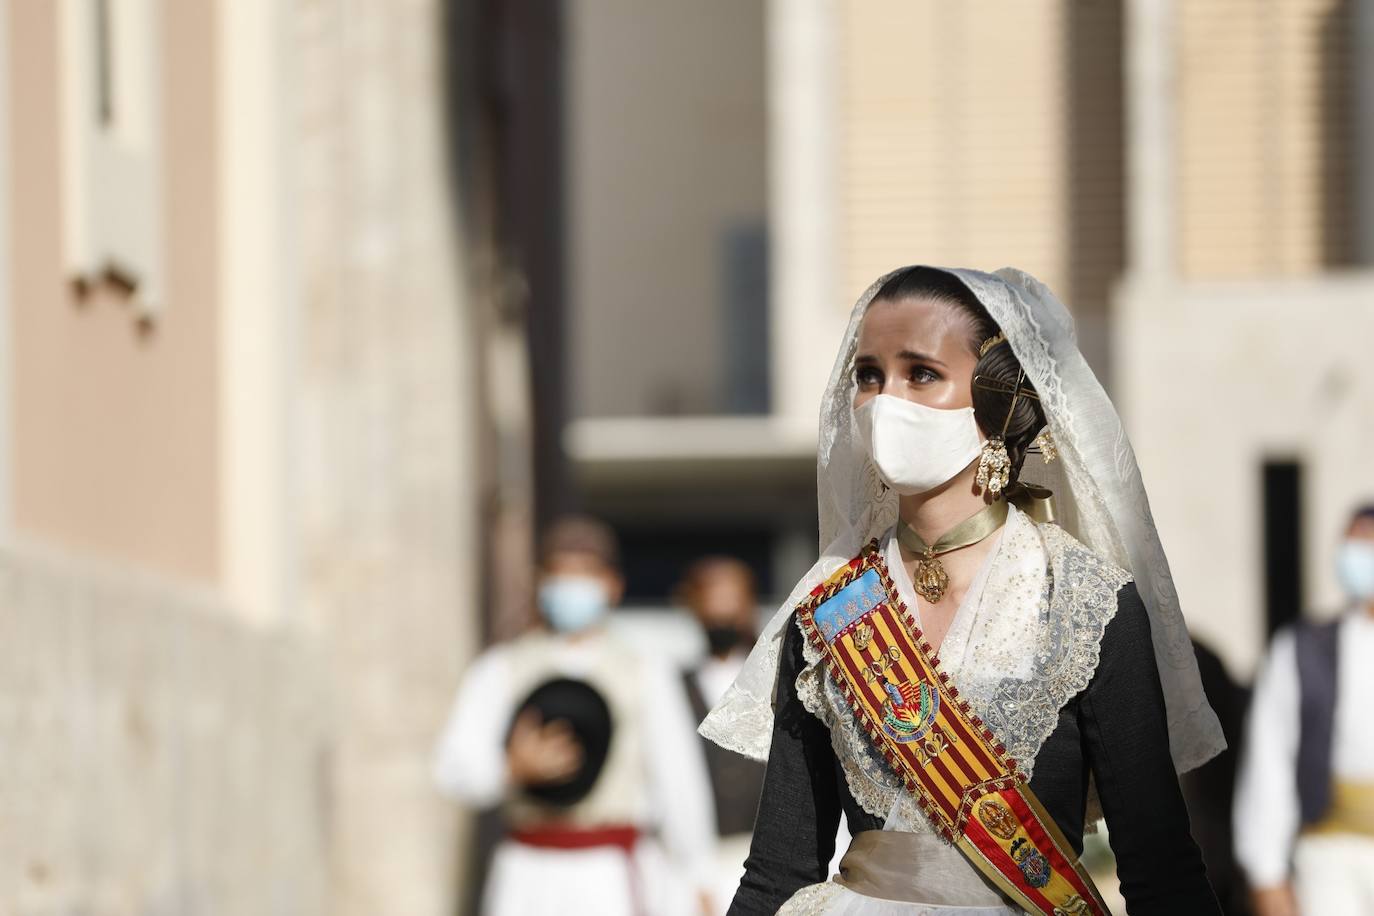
<point>1351,810</point>
<point>913,868</point>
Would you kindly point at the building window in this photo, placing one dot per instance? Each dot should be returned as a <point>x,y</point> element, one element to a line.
<point>112,144</point>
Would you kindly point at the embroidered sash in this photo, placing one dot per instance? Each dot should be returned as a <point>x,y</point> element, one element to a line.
<point>961,776</point>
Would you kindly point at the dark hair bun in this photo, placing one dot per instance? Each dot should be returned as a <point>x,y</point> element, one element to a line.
<point>992,402</point>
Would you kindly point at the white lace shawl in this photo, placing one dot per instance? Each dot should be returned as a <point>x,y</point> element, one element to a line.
<point>1099,495</point>
<point>1023,644</point>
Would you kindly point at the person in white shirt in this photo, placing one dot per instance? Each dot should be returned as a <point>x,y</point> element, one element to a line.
<point>1304,814</point>
<point>721,594</point>
<point>607,802</point>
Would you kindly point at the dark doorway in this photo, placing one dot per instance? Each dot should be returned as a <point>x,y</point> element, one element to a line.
<point>1283,570</point>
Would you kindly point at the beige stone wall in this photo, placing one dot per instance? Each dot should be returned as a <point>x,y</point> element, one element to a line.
<point>1205,409</point>
<point>260,745</point>
<point>115,429</point>
<point>388,489</point>
<point>953,125</point>
<point>983,134</point>
<point>159,758</point>
<point>1263,120</point>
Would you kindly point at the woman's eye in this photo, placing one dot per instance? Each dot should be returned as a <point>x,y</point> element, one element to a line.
<point>923,374</point>
<point>868,376</point>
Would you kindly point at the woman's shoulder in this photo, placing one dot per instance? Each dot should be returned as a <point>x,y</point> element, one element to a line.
<point>792,657</point>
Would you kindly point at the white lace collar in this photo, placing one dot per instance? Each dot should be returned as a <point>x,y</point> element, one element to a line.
<point>1023,643</point>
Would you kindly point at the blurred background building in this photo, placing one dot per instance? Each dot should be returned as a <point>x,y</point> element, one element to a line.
<point>312,311</point>
<point>1195,180</point>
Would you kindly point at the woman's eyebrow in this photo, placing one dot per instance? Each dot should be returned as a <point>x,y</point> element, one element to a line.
<point>913,356</point>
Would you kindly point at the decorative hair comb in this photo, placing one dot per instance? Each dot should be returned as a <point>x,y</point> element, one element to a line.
<point>998,338</point>
<point>988,383</point>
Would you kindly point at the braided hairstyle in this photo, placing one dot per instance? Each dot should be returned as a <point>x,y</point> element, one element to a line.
<point>999,364</point>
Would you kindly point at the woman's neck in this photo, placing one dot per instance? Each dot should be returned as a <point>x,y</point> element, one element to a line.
<point>935,512</point>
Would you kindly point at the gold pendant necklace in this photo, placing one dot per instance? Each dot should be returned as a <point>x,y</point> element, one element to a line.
<point>931,581</point>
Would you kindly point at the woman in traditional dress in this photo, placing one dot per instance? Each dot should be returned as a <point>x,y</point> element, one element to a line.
<point>965,681</point>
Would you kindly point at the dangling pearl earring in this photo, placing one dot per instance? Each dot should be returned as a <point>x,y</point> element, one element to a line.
<point>994,466</point>
<point>1045,442</point>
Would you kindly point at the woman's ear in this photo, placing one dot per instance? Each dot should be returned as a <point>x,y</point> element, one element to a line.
<point>983,434</point>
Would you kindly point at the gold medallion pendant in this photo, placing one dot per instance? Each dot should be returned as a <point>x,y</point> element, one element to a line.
<point>930,580</point>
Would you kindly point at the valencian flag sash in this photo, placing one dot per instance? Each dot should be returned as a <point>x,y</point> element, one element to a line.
<point>961,776</point>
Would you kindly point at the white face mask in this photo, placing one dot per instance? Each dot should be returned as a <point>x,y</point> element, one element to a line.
<point>916,448</point>
<point>572,603</point>
<point>1355,568</point>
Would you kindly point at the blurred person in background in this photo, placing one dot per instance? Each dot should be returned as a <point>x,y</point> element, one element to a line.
<point>1305,799</point>
<point>1210,789</point>
<point>942,568</point>
<point>587,747</point>
<point>721,594</point>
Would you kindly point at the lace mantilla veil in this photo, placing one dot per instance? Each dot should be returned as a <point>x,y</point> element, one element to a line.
<point>1099,498</point>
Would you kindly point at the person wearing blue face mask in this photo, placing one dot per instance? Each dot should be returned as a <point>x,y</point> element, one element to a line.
<point>1304,814</point>
<point>587,748</point>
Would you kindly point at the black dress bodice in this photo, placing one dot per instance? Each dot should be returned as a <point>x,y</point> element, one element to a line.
<point>1115,729</point>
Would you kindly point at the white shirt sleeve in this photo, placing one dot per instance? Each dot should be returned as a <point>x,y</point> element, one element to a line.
<point>470,759</point>
<point>679,786</point>
<point>1266,813</point>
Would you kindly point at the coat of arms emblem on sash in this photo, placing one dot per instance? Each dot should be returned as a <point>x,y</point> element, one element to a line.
<point>910,710</point>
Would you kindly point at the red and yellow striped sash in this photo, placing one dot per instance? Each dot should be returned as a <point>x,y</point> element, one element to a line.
<point>961,776</point>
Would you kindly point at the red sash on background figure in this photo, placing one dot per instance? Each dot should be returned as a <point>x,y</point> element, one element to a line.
<point>622,837</point>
